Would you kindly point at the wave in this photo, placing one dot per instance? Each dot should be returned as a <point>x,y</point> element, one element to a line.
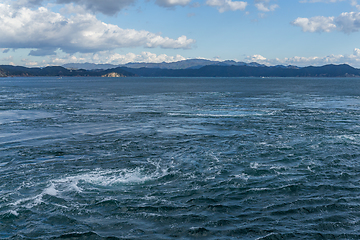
<point>11,116</point>
<point>219,114</point>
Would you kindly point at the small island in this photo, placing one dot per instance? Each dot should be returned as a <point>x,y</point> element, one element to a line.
<point>113,75</point>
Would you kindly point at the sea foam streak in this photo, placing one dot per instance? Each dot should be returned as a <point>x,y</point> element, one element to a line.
<point>98,179</point>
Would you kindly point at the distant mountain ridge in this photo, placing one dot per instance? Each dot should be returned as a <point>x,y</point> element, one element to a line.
<point>343,70</point>
<point>214,70</point>
<point>184,64</point>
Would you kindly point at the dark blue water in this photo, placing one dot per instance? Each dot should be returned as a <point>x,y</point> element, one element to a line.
<point>167,158</point>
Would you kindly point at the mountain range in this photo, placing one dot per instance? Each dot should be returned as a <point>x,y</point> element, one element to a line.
<point>184,64</point>
<point>186,68</point>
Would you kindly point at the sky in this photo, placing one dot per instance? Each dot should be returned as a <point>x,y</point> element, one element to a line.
<point>38,33</point>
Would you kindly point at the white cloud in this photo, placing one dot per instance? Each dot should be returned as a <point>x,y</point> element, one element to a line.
<point>147,57</point>
<point>46,31</point>
<point>104,57</point>
<point>256,58</point>
<point>351,59</point>
<point>265,6</point>
<point>172,3</point>
<point>227,5</point>
<point>347,22</point>
<point>315,24</point>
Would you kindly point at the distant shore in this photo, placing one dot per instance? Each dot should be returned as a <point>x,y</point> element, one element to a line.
<point>343,70</point>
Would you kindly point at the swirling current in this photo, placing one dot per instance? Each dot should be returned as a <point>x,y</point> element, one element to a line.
<point>187,158</point>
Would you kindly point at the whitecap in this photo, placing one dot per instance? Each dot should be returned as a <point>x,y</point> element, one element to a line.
<point>111,177</point>
<point>29,202</point>
<point>242,176</point>
<point>13,212</point>
<point>99,178</point>
<point>51,190</point>
<point>89,181</point>
<point>254,165</point>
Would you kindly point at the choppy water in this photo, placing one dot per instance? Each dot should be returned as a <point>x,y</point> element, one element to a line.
<point>166,158</point>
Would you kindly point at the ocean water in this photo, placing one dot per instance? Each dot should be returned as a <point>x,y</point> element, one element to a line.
<point>187,158</point>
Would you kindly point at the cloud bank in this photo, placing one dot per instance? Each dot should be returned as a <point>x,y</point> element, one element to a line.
<point>105,57</point>
<point>47,31</point>
<point>147,57</point>
<point>351,59</point>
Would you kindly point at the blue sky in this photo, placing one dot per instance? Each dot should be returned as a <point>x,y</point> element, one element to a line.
<point>288,32</point>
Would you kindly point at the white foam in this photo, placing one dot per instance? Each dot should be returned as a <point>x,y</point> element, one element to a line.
<point>29,202</point>
<point>51,190</point>
<point>254,165</point>
<point>242,176</point>
<point>100,178</point>
<point>91,180</point>
<point>107,178</point>
<point>353,137</point>
<point>278,167</point>
<point>15,213</point>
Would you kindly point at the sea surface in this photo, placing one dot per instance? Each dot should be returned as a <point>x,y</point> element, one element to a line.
<point>179,158</point>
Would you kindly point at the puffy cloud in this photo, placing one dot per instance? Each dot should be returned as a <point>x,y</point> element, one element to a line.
<point>351,59</point>
<point>256,58</point>
<point>46,31</point>
<point>172,3</point>
<point>265,6</point>
<point>315,24</point>
<point>347,22</point>
<point>227,5</point>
